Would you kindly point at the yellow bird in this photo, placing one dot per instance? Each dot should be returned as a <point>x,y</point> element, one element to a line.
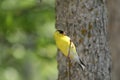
<point>63,43</point>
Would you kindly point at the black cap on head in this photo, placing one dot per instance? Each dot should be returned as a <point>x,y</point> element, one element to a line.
<point>60,31</point>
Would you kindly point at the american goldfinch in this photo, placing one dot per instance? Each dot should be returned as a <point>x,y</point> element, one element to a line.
<point>65,45</point>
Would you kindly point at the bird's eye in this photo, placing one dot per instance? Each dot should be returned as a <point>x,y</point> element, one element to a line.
<point>61,32</point>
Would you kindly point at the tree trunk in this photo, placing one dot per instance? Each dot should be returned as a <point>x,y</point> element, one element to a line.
<point>114,36</point>
<point>85,22</point>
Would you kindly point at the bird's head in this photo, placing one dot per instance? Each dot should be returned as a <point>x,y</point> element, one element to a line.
<point>59,33</point>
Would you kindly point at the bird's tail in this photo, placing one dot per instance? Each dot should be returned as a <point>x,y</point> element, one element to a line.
<point>81,64</point>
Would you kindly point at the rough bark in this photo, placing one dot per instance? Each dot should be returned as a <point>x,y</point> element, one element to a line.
<point>114,36</point>
<point>85,22</point>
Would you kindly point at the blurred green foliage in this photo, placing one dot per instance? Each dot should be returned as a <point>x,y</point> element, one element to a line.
<point>27,48</point>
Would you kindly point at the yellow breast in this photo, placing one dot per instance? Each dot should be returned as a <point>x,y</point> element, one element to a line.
<point>63,44</point>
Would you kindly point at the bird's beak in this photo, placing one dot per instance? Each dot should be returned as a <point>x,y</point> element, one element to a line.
<point>64,33</point>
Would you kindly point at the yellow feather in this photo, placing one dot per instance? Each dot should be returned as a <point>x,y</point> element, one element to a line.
<point>63,43</point>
